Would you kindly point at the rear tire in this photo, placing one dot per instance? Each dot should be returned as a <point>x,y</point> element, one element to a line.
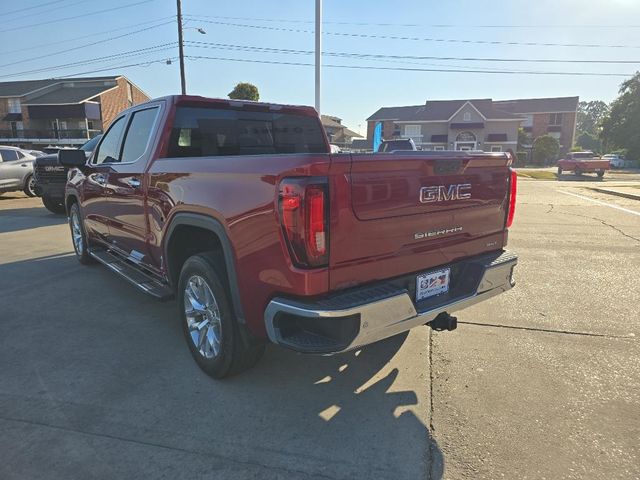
<point>577,172</point>
<point>54,206</point>
<point>30,189</point>
<point>600,174</point>
<point>559,171</point>
<point>219,344</point>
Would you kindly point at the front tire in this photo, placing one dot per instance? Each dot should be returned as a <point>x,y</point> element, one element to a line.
<point>54,206</point>
<point>577,172</point>
<point>559,171</point>
<point>213,333</point>
<point>78,235</point>
<point>30,189</point>
<point>600,174</point>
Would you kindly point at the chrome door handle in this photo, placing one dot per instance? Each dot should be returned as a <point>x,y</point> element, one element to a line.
<point>100,178</point>
<point>133,182</point>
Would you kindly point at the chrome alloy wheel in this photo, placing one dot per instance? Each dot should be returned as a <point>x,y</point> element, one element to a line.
<point>76,233</point>
<point>203,317</point>
<point>31,186</point>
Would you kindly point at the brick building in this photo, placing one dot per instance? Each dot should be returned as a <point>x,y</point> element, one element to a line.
<point>66,111</point>
<point>481,124</point>
<point>546,116</point>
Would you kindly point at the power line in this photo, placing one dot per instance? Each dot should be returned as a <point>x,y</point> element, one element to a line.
<point>423,39</point>
<point>94,34</point>
<point>86,45</point>
<point>48,10</point>
<point>429,25</point>
<point>47,22</point>
<point>406,57</point>
<point>32,7</point>
<point>140,51</point>
<point>120,67</point>
<point>407,69</point>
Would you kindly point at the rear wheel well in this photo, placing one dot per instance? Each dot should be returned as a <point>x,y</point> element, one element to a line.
<point>188,240</point>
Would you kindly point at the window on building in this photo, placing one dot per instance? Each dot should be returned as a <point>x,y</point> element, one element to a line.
<point>108,150</point>
<point>555,119</point>
<point>413,132</point>
<point>129,94</point>
<point>14,105</point>
<point>528,121</point>
<point>555,135</point>
<point>138,133</point>
<point>496,148</point>
<point>467,116</point>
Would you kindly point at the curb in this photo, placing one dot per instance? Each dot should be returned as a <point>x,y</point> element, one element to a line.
<point>631,196</point>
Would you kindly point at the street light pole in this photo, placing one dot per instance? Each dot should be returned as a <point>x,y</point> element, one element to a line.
<point>318,51</point>
<point>183,82</point>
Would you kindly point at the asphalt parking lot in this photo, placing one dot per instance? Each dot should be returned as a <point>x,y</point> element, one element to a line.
<point>541,382</point>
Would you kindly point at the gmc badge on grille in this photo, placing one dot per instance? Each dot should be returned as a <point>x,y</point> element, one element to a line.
<point>50,168</point>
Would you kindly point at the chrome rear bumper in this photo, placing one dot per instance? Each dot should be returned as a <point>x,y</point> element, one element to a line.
<point>387,311</point>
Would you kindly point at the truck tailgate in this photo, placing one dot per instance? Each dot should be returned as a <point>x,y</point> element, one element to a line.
<point>400,213</point>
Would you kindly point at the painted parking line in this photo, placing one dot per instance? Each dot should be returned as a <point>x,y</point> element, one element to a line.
<point>599,202</point>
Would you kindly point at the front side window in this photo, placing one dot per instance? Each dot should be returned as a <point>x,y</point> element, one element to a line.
<point>202,132</point>
<point>108,151</point>
<point>138,133</point>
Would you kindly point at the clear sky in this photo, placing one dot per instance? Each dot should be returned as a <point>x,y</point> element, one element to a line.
<point>31,38</point>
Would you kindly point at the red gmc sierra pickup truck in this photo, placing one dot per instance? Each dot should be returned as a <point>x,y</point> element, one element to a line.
<point>240,211</point>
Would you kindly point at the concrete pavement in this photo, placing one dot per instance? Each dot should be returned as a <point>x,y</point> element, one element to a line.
<point>97,382</point>
<point>541,382</point>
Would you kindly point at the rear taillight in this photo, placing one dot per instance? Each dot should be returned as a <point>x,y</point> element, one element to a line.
<point>303,214</point>
<point>513,186</point>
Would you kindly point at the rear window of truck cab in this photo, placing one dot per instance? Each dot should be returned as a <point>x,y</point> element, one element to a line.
<point>203,132</point>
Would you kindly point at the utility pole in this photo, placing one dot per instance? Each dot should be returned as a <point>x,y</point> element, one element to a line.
<point>318,50</point>
<point>183,82</point>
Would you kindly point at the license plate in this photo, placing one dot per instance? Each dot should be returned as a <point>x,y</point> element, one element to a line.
<point>432,283</point>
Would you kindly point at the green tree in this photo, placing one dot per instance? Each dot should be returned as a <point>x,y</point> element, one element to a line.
<point>545,148</point>
<point>588,141</point>
<point>621,129</point>
<point>524,140</point>
<point>590,116</point>
<point>245,91</point>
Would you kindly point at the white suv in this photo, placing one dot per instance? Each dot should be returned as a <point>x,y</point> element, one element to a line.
<point>615,160</point>
<point>16,171</point>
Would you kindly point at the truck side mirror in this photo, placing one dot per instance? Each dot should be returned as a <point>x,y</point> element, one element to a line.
<point>72,158</point>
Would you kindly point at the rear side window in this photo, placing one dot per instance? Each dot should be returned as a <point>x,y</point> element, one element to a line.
<point>200,132</point>
<point>8,155</point>
<point>138,133</point>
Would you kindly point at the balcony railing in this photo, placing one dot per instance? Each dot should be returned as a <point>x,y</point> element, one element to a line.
<point>47,134</point>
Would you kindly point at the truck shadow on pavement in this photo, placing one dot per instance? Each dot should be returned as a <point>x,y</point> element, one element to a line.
<point>114,392</point>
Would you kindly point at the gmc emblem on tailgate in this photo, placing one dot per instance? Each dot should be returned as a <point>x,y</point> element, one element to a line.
<point>443,193</point>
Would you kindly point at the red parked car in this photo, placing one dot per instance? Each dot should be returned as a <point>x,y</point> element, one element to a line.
<point>240,211</point>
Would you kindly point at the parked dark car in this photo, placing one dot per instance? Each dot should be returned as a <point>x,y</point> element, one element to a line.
<point>51,177</point>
